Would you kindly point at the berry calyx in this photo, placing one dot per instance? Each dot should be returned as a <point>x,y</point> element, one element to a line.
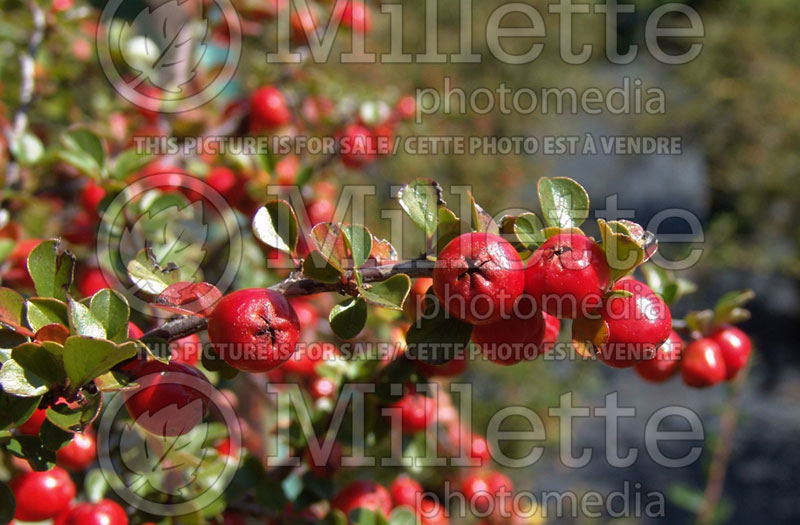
<point>268,109</point>
<point>42,495</point>
<point>567,275</point>
<point>735,347</point>
<point>477,278</point>
<point>363,495</point>
<point>104,512</point>
<point>169,401</point>
<point>254,330</point>
<point>702,364</point>
<point>518,338</point>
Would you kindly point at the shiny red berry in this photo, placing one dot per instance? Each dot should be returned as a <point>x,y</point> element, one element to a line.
<point>42,495</point>
<point>735,347</point>
<point>417,412</point>
<point>483,491</point>
<point>477,278</point>
<point>518,338</point>
<point>552,327</point>
<point>363,495</point>
<point>34,423</point>
<point>357,146</point>
<point>169,400</point>
<point>254,330</point>
<point>665,363</point>
<point>268,109</point>
<point>104,512</point>
<point>186,350</point>
<point>567,275</point>
<point>702,364</point>
<point>79,453</point>
<point>405,491</point>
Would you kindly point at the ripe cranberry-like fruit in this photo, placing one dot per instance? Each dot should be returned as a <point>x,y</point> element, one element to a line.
<point>91,196</point>
<point>479,449</point>
<point>79,453</point>
<point>104,512</point>
<point>225,181</point>
<point>631,328</point>
<point>518,338</point>
<point>567,275</point>
<point>702,364</point>
<point>665,363</point>
<point>169,401</point>
<point>286,169</point>
<point>552,327</point>
<point>355,15</point>
<point>91,281</point>
<point>417,412</point>
<point>735,347</point>
<point>477,278</point>
<point>323,387</point>
<point>327,464</point>
<point>357,146</point>
<point>363,495</point>
<point>254,330</point>
<point>134,332</point>
<point>186,350</point>
<point>42,495</point>
<point>406,108</point>
<point>268,109</point>
<point>483,491</point>
<point>34,423</point>
<point>454,367</point>
<point>431,512</point>
<point>404,491</point>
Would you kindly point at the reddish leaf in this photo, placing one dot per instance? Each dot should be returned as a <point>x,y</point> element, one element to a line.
<point>55,332</point>
<point>189,298</point>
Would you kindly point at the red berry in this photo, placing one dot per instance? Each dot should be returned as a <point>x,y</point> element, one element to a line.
<point>702,364</point>
<point>632,327</point>
<point>735,347</point>
<point>134,332</point>
<point>168,401</point>
<point>34,423</point>
<point>417,412</point>
<point>226,448</point>
<point>254,330</point>
<point>665,363</point>
<point>479,449</point>
<point>552,327</point>
<point>42,495</point>
<point>186,350</point>
<point>79,453</point>
<point>405,491</point>
<point>356,16</point>
<point>226,183</point>
<point>91,197</point>
<point>454,367</point>
<point>104,512</point>
<point>321,210</point>
<point>91,281</point>
<point>286,169</point>
<point>406,107</point>
<point>268,109</point>
<point>431,512</point>
<point>518,338</point>
<point>325,465</point>
<point>357,146</point>
<point>483,491</point>
<point>567,275</point>
<point>323,387</point>
<point>363,495</point>
<point>477,278</point>
<point>415,303</point>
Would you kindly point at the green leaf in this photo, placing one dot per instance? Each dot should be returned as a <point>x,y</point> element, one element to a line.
<point>20,382</point>
<point>51,271</point>
<point>27,149</point>
<point>44,360</point>
<point>15,410</point>
<point>83,322</point>
<point>436,338</point>
<point>86,358</point>
<point>8,504</point>
<point>623,253</point>
<point>114,381</point>
<point>30,448</point>
<point>564,202</point>
<point>449,228</point>
<point>362,516</point>
<point>127,163</point>
<point>275,224</point>
<point>421,200</point>
<point>95,485</point>
<point>76,419</point>
<point>390,293</point>
<point>316,267</point>
<point>336,517</point>
<point>528,229</point>
<point>43,311</point>
<point>146,273</point>
<point>53,437</point>
<point>111,309</point>
<point>85,142</point>
<point>6,247</point>
<point>359,242</point>
<point>348,318</point>
<point>402,516</point>
<point>731,303</point>
<point>80,160</point>
<point>12,308</point>
<point>330,242</point>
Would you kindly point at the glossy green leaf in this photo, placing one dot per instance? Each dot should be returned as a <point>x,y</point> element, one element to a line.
<point>30,448</point>
<point>564,202</point>
<point>528,230</point>
<point>53,437</point>
<point>436,336</point>
<point>330,242</point>
<point>95,485</point>
<point>8,504</point>
<point>12,308</point>
<point>449,227</point>
<point>18,381</point>
<point>111,309</point>
<point>390,293</point>
<point>76,419</point>
<point>359,242</point>
<point>127,163</point>
<point>44,360</point>
<point>85,141</point>
<point>83,322</point>
<point>402,516</point>
<point>27,149</point>
<point>86,358</point>
<point>623,253</point>
<point>15,410</point>
<point>147,274</point>
<point>275,224</point>
<point>728,308</point>
<point>348,318</point>
<point>316,267</point>
<point>51,271</point>
<point>421,200</point>
<point>43,311</point>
